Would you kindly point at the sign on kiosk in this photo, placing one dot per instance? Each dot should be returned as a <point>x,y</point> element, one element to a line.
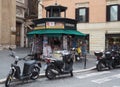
<point>54,25</point>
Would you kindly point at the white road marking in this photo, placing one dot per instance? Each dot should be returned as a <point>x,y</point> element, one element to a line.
<point>102,79</point>
<point>99,81</point>
<point>116,86</point>
<point>106,79</point>
<point>117,75</point>
<point>92,74</point>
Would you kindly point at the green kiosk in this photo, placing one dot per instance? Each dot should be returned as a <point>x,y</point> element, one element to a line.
<point>56,30</point>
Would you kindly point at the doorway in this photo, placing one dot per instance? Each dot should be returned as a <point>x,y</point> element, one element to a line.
<point>18,34</point>
<point>112,39</point>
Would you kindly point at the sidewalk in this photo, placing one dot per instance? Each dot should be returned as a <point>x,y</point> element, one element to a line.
<point>5,62</point>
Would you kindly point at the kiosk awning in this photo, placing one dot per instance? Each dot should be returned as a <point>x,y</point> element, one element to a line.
<point>56,32</point>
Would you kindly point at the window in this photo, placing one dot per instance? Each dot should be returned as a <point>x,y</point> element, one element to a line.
<point>113,13</point>
<point>82,14</point>
<point>54,14</point>
<point>22,1</point>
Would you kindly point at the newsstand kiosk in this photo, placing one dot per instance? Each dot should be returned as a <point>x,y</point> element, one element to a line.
<point>57,31</point>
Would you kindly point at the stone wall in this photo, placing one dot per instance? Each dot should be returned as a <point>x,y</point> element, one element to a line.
<point>8,20</point>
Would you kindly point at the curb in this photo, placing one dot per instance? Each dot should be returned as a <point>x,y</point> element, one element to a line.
<point>43,75</point>
<point>84,70</point>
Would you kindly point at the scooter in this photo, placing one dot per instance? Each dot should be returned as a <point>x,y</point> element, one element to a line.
<point>31,69</point>
<point>58,67</point>
<point>103,61</point>
<point>116,58</point>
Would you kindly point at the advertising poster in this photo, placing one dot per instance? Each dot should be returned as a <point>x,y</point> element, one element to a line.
<point>65,42</point>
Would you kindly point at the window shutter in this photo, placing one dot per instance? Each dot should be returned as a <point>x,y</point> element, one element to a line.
<point>108,13</point>
<point>77,14</point>
<point>87,14</point>
<point>118,12</point>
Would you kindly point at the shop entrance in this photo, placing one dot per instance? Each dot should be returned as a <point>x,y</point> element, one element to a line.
<point>112,39</point>
<point>54,42</point>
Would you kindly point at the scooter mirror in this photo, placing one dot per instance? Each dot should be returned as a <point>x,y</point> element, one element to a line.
<point>10,48</point>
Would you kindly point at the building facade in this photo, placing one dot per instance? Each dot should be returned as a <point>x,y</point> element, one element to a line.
<point>14,22</point>
<point>99,19</point>
<point>7,23</point>
<point>20,22</point>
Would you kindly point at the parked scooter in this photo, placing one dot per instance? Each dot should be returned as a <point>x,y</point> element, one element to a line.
<point>58,67</point>
<point>31,69</point>
<point>103,61</point>
<point>116,58</point>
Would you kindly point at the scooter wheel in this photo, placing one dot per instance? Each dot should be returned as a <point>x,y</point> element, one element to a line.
<point>99,66</point>
<point>8,81</point>
<point>49,74</point>
<point>35,73</point>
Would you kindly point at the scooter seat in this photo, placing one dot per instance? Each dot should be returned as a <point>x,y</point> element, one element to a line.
<point>30,62</point>
<point>27,67</point>
<point>59,63</point>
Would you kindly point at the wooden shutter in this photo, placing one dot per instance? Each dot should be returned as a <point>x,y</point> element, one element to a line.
<point>77,14</point>
<point>107,13</point>
<point>87,14</point>
<point>118,12</point>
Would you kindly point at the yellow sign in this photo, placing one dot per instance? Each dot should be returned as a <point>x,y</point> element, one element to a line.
<point>40,26</point>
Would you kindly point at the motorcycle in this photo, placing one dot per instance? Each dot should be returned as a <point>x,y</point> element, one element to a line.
<point>31,69</point>
<point>103,61</point>
<point>58,67</point>
<point>116,58</point>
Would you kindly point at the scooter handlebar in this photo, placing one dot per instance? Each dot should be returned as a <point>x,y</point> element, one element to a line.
<point>10,49</point>
<point>30,55</point>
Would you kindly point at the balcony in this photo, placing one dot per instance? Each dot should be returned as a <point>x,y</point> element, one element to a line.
<point>21,1</point>
<point>20,12</point>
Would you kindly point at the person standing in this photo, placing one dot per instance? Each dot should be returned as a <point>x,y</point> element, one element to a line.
<point>36,48</point>
<point>35,45</point>
<point>47,51</point>
<point>84,53</point>
<point>84,49</point>
<point>79,52</point>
